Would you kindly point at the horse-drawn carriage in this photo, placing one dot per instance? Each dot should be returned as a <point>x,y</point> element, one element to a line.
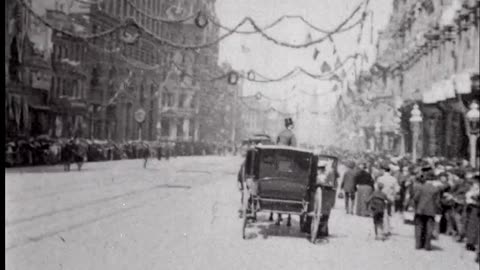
<point>283,180</point>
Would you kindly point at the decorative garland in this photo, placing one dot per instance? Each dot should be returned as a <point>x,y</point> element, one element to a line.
<point>132,23</point>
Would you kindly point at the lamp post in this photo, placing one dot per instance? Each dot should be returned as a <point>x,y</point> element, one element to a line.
<point>473,116</point>
<point>378,133</point>
<point>415,121</point>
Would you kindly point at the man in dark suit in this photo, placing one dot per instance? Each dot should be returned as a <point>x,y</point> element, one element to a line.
<point>426,200</point>
<point>286,136</point>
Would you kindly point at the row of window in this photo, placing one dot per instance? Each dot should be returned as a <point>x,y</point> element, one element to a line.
<point>166,126</point>
<point>67,87</point>
<point>168,100</point>
<point>122,9</point>
<point>73,51</point>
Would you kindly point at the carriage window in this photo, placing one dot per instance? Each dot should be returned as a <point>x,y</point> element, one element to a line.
<point>284,166</point>
<point>269,160</point>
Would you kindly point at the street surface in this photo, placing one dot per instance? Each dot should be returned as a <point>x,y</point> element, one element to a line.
<point>183,214</point>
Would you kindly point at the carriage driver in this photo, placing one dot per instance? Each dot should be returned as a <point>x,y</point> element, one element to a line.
<point>286,137</point>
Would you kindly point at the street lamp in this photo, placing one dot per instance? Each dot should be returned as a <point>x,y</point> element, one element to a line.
<point>415,121</point>
<point>473,116</point>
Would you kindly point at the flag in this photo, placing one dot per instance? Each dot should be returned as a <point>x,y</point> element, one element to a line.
<point>333,45</point>
<point>245,49</point>
<point>338,63</point>
<point>335,78</point>
<point>325,67</point>
<point>308,38</point>
<point>315,54</point>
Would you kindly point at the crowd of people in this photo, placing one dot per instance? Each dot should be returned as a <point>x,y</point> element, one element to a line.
<point>442,194</point>
<point>47,151</point>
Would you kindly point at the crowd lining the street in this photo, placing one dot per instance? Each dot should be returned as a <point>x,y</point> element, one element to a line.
<point>442,195</point>
<point>47,151</point>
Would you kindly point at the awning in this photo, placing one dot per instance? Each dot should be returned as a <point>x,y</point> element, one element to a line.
<point>440,91</point>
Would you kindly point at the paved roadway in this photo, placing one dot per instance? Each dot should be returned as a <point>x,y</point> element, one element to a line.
<point>182,214</point>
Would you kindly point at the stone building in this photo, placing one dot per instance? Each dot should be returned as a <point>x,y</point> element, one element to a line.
<point>70,77</point>
<point>28,74</point>
<point>427,55</point>
<point>93,89</point>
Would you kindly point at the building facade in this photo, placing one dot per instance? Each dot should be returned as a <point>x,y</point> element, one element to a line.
<point>93,89</point>
<point>428,55</point>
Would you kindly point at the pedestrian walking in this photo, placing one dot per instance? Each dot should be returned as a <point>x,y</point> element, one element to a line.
<point>472,209</point>
<point>364,186</point>
<point>327,180</point>
<point>349,187</point>
<point>145,151</point>
<point>67,155</point>
<point>391,188</point>
<point>426,202</point>
<point>377,203</point>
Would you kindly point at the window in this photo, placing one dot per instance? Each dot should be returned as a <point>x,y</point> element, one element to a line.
<point>142,93</point>
<point>118,7</point>
<point>180,132</point>
<point>164,99</point>
<point>191,129</point>
<point>110,8</point>
<point>181,100</point>
<point>165,127</point>
<point>192,102</point>
<point>171,100</point>
<point>52,87</point>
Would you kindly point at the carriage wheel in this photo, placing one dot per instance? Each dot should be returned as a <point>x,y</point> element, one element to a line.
<point>245,215</point>
<point>316,216</point>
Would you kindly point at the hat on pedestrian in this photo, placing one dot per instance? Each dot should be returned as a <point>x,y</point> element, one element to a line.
<point>288,122</point>
<point>385,166</point>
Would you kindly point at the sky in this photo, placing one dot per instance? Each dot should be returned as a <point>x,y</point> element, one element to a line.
<point>271,60</point>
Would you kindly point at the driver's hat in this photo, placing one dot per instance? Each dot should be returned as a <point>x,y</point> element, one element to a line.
<point>288,122</point>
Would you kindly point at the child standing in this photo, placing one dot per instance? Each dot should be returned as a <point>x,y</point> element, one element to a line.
<point>377,202</point>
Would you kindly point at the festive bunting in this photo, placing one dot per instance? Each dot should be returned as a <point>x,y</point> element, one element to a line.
<point>338,63</point>
<point>325,67</point>
<point>315,54</point>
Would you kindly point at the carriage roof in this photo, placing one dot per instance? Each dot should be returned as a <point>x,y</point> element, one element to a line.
<point>283,147</point>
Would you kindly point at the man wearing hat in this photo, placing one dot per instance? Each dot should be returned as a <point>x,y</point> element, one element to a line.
<point>426,200</point>
<point>286,136</point>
